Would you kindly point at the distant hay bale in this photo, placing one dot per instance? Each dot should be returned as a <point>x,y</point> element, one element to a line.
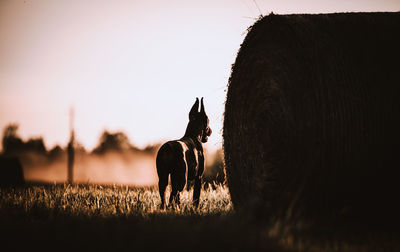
<point>11,173</point>
<point>312,116</point>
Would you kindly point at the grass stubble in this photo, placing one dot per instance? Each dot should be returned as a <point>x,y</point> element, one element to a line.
<point>121,218</point>
<point>63,216</point>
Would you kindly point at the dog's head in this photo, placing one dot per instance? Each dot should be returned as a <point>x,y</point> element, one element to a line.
<point>200,119</point>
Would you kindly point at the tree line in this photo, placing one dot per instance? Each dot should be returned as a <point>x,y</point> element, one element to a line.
<point>14,145</point>
<point>118,141</point>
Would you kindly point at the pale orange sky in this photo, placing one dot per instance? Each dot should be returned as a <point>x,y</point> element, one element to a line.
<point>134,66</point>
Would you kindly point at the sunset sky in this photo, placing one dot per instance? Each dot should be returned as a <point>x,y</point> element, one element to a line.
<point>134,66</point>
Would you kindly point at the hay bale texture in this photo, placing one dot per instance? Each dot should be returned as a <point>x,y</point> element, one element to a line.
<point>312,115</point>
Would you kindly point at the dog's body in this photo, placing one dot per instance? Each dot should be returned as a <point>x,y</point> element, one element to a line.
<point>183,159</point>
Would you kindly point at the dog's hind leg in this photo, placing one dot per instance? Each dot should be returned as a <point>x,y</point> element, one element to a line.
<point>173,197</point>
<point>176,184</point>
<point>197,182</point>
<point>196,191</point>
<point>162,185</point>
<point>163,162</point>
<point>178,181</point>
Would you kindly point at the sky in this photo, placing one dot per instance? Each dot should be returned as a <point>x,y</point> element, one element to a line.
<point>132,66</point>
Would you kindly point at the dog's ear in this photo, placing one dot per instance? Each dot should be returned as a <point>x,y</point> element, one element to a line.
<point>202,107</point>
<point>193,112</point>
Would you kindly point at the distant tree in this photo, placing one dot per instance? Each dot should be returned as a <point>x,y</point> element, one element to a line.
<point>152,148</point>
<point>11,140</point>
<point>117,141</point>
<point>35,144</point>
<point>55,151</point>
<point>79,148</point>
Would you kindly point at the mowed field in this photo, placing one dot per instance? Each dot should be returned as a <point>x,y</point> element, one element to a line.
<point>120,218</point>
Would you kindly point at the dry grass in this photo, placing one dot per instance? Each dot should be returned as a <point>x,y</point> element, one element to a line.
<point>118,218</point>
<point>122,218</point>
<point>92,201</point>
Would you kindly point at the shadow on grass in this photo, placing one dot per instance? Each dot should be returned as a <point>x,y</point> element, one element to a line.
<point>120,218</point>
<point>88,217</point>
<point>45,229</point>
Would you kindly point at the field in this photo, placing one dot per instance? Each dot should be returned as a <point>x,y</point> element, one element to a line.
<point>61,217</point>
<point>118,217</point>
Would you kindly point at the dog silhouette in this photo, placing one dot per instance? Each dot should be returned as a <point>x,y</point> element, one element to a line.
<point>183,159</point>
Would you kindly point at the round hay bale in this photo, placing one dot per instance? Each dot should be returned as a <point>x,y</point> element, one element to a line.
<point>11,172</point>
<point>312,116</point>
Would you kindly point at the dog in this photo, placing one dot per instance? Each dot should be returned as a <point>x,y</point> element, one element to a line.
<point>183,159</point>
